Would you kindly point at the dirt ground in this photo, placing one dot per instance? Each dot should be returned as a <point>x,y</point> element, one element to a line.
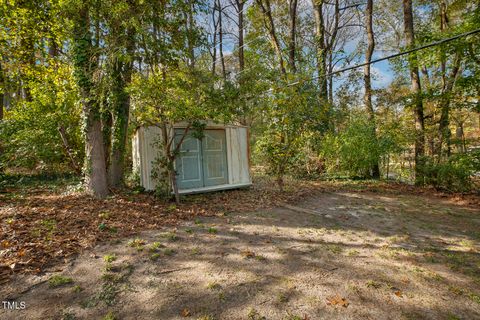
<point>335,255</point>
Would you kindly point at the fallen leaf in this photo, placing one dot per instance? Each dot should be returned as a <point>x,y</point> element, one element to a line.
<point>248,254</point>
<point>337,300</point>
<point>398,293</point>
<point>185,313</point>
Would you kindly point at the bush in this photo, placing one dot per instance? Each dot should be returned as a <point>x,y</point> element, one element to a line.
<point>354,150</point>
<point>453,175</point>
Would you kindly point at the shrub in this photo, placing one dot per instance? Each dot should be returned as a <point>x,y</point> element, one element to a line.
<point>354,150</point>
<point>455,174</point>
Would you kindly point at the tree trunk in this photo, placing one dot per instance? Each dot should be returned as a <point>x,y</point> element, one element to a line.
<point>321,50</point>
<point>83,59</point>
<point>220,39</point>
<point>368,81</point>
<point>2,92</point>
<point>417,90</point>
<point>292,41</point>
<point>270,25</point>
<point>241,52</point>
<point>121,111</point>
<point>215,29</point>
<point>190,25</point>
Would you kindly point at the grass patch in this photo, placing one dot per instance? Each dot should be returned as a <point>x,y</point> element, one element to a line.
<point>58,280</point>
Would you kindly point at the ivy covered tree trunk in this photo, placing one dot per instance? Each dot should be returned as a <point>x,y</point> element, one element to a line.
<point>84,64</point>
<point>121,78</point>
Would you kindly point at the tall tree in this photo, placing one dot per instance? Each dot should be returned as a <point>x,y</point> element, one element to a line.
<point>368,79</point>
<point>321,51</point>
<point>84,62</point>
<point>417,91</point>
<point>292,12</point>
<point>269,23</point>
<point>120,50</point>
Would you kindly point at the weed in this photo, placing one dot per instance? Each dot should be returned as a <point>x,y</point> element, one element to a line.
<point>221,296</point>
<point>155,246</point>
<point>57,281</point>
<point>213,286</point>
<point>189,230</point>
<point>109,316</point>
<point>291,316</point>
<point>109,258</point>
<point>373,284</point>
<point>282,297</point>
<point>455,290</point>
<point>259,257</point>
<point>333,248</point>
<point>195,251</point>
<point>169,252</point>
<point>137,243</point>
<point>353,253</point>
<point>474,297</point>
<point>68,316</point>
<point>212,230</point>
<point>253,314</point>
<point>77,289</point>
<point>155,256</point>
<point>171,236</point>
<point>104,215</point>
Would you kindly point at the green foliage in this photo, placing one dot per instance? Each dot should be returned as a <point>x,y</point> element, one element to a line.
<point>354,150</point>
<point>31,128</point>
<point>291,116</point>
<point>455,174</point>
<point>58,280</point>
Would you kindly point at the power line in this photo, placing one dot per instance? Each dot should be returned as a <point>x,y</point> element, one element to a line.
<point>432,44</point>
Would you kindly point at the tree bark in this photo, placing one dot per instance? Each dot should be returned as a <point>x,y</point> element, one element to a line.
<point>121,111</point>
<point>321,49</point>
<point>368,80</point>
<point>220,39</point>
<point>417,90</point>
<point>293,4</point>
<point>95,168</point>
<point>270,25</point>
<point>444,122</point>
<point>190,25</point>
<point>241,52</point>
<point>215,32</point>
<point>2,92</point>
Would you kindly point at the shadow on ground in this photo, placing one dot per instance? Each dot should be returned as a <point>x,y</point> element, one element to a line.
<point>333,256</point>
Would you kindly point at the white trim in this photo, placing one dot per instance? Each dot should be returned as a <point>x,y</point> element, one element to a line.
<point>214,188</point>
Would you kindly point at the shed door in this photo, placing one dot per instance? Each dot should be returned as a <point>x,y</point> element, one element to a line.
<point>201,163</point>
<point>214,158</point>
<point>189,162</point>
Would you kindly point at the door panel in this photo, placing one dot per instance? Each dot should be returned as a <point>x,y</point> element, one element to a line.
<point>214,158</point>
<point>189,162</point>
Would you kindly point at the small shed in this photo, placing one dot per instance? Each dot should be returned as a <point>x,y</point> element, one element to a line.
<point>218,161</point>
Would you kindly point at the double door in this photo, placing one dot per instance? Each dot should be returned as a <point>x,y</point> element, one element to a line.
<point>201,162</point>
